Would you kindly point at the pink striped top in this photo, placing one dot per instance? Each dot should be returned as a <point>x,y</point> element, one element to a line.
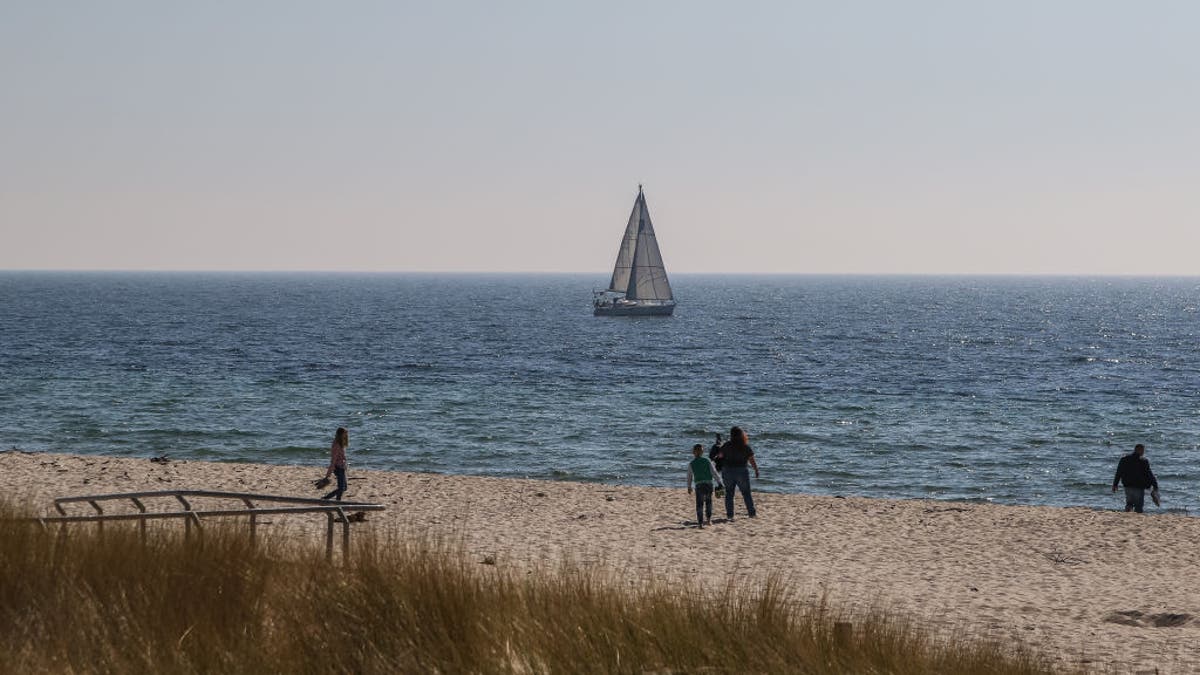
<point>337,456</point>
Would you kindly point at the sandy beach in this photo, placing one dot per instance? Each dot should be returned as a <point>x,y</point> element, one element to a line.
<point>1113,592</point>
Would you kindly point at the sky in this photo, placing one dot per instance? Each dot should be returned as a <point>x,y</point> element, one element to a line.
<point>917,137</point>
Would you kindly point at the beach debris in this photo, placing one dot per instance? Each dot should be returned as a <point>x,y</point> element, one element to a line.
<point>539,494</point>
<point>489,559</point>
<point>356,517</point>
<point>1169,620</point>
<point>610,498</point>
<point>949,509</point>
<point>1061,558</point>
<point>161,459</point>
<point>1133,617</point>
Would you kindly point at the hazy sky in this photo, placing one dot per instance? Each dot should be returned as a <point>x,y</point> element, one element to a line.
<point>874,137</point>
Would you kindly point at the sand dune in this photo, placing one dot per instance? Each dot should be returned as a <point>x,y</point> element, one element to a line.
<point>1112,591</point>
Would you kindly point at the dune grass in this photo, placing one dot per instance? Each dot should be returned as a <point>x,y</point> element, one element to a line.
<point>104,602</point>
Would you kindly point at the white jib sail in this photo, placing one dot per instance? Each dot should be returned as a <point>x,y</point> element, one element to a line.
<point>647,275</point>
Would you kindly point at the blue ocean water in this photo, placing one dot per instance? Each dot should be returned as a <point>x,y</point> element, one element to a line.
<point>1013,390</point>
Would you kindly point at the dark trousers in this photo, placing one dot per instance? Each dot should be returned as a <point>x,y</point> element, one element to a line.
<point>704,492</point>
<point>737,478</point>
<point>1135,499</point>
<point>340,473</point>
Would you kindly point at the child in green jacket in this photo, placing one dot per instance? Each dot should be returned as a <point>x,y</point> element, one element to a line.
<point>704,473</point>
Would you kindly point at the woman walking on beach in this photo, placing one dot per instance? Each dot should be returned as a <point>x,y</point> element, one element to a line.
<point>735,454</point>
<point>337,463</point>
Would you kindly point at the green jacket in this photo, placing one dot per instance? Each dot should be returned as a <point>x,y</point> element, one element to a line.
<point>701,470</point>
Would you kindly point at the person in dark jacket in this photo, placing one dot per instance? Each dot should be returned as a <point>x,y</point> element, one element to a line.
<point>734,455</point>
<point>1134,472</point>
<point>715,451</point>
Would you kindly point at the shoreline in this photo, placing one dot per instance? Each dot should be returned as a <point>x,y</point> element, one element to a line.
<point>1100,589</point>
<point>1115,500</point>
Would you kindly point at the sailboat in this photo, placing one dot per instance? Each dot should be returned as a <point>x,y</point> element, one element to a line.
<point>639,285</point>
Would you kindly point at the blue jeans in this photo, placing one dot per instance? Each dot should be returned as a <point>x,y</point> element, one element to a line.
<point>737,478</point>
<point>340,473</point>
<point>1135,499</point>
<point>703,502</point>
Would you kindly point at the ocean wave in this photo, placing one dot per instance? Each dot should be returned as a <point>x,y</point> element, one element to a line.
<point>569,475</point>
<point>785,436</point>
<point>294,450</point>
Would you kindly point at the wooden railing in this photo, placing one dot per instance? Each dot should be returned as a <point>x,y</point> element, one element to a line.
<point>335,512</point>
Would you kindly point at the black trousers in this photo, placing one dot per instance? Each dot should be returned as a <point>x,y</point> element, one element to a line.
<point>704,492</point>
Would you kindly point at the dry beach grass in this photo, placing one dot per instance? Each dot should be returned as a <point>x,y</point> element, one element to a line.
<point>1104,591</point>
<point>107,602</point>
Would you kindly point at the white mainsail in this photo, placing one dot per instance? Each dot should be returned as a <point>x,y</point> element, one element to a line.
<point>624,265</point>
<point>639,272</point>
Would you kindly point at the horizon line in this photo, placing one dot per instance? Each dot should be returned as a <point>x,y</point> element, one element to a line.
<point>382,272</point>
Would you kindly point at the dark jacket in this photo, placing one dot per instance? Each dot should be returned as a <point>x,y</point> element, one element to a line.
<point>735,455</point>
<point>1135,472</point>
<point>714,453</point>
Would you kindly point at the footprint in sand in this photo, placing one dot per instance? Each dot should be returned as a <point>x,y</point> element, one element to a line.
<point>1133,617</point>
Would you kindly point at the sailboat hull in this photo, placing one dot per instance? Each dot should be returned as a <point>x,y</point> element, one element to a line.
<point>655,309</point>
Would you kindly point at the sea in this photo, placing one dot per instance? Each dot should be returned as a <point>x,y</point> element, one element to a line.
<point>1013,390</point>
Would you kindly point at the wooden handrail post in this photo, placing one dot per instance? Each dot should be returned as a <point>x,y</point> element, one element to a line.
<point>329,536</point>
<point>141,521</point>
<point>100,523</point>
<point>187,522</point>
<point>345,536</point>
<point>253,522</point>
<point>199,527</point>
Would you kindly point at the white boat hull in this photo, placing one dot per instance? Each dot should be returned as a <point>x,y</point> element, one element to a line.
<point>635,309</point>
